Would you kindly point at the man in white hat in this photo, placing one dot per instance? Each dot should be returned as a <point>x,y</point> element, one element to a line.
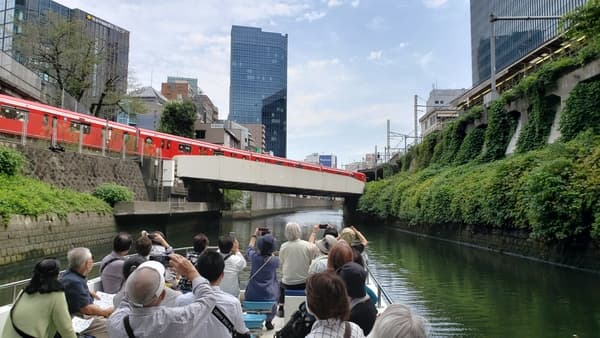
<point>140,313</point>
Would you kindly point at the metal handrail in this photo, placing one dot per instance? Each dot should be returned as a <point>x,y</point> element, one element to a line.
<point>380,290</point>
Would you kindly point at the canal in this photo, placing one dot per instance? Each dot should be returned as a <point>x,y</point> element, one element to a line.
<point>463,291</point>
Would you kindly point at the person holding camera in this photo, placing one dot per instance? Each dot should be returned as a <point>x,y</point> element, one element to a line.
<point>262,283</point>
<point>141,313</point>
<point>229,248</point>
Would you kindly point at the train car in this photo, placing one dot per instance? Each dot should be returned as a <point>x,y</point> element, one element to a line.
<point>40,121</point>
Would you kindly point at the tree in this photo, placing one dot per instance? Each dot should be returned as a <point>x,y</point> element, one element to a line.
<point>178,119</point>
<point>62,51</point>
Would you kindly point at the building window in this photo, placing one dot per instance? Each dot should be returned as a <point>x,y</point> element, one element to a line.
<point>201,134</point>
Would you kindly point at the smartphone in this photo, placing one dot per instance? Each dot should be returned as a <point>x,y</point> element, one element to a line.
<point>264,231</point>
<point>323,226</point>
<point>232,234</point>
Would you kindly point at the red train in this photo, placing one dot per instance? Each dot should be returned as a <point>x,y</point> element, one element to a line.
<point>45,122</point>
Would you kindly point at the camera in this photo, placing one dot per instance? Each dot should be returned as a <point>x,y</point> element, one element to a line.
<point>264,231</point>
<point>163,259</point>
<point>323,226</point>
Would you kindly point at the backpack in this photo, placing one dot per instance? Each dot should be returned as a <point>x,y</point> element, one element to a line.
<point>299,324</point>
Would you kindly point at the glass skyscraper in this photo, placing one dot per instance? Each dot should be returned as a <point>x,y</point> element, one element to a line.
<point>514,39</point>
<point>258,83</point>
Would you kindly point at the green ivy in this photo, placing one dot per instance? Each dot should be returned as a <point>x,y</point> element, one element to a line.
<point>501,126</point>
<point>539,123</point>
<point>471,146</point>
<point>581,111</point>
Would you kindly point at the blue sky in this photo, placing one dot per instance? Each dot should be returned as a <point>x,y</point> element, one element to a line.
<point>352,64</point>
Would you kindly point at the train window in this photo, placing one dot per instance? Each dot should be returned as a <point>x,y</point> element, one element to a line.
<point>186,148</point>
<point>148,140</point>
<point>162,143</point>
<point>12,113</point>
<point>76,125</point>
<point>168,144</point>
<point>45,120</point>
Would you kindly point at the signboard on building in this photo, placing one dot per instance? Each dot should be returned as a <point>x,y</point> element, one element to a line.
<point>326,160</point>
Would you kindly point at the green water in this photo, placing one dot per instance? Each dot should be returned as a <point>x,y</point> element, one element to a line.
<point>462,291</point>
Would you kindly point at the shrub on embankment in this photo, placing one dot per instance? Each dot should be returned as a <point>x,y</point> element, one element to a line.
<point>112,193</point>
<point>553,192</point>
<point>21,195</point>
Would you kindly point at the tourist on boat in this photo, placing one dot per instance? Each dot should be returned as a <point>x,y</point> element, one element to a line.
<point>160,245</point>
<point>199,244</point>
<point>141,312</point>
<point>262,283</point>
<point>296,255</point>
<point>340,254</point>
<point>129,266</point>
<point>234,264</point>
<point>111,267</point>
<point>327,300</point>
<point>44,296</point>
<point>362,309</point>
<point>358,242</point>
<point>143,246</point>
<point>319,264</point>
<point>399,321</point>
<point>79,297</point>
<point>211,266</point>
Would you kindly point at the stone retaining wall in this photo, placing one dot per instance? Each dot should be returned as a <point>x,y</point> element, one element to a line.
<point>81,172</point>
<point>49,235</point>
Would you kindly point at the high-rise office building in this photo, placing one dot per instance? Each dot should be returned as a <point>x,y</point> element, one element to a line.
<point>112,40</point>
<point>258,83</point>
<point>516,38</point>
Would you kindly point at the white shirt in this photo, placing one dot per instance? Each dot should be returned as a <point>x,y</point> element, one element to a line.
<point>160,321</point>
<point>295,260</point>
<point>229,305</point>
<point>231,280</point>
<point>318,264</point>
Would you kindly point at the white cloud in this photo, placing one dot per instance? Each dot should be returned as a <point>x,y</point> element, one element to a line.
<point>402,44</point>
<point>375,55</point>
<point>334,3</point>
<point>312,16</point>
<point>434,3</point>
<point>355,3</point>
<point>424,60</point>
<point>377,24</point>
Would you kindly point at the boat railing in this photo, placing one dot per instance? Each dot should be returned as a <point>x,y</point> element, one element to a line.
<point>380,290</point>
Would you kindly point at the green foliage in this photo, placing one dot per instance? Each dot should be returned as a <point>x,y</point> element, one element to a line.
<point>11,161</point>
<point>499,131</point>
<point>178,119</point>
<point>471,146</point>
<point>62,50</point>
<point>583,21</point>
<point>25,196</point>
<point>554,192</point>
<point>582,110</point>
<point>233,197</point>
<point>539,123</point>
<point>112,193</point>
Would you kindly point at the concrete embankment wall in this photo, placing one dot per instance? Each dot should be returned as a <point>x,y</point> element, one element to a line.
<point>81,172</point>
<point>264,204</point>
<point>49,235</point>
<point>514,243</point>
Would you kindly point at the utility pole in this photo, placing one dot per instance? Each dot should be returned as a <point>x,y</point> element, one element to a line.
<point>416,112</point>
<point>387,150</point>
